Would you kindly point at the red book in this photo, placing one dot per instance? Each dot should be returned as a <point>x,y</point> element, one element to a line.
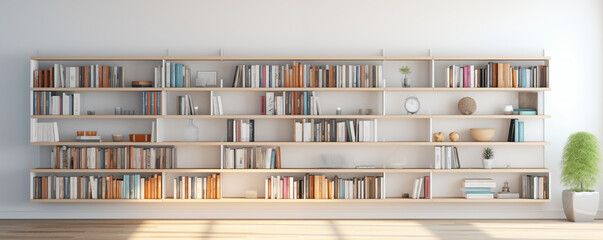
<point>263,103</point>
<point>427,187</point>
<point>264,76</point>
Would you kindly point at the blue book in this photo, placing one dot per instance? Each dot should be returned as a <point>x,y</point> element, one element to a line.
<point>172,75</point>
<point>144,103</point>
<point>152,102</point>
<point>159,105</point>
<point>523,77</point>
<point>357,76</point>
<point>137,186</point>
<point>306,107</point>
<point>478,192</point>
<point>521,124</point>
<point>48,103</point>
<point>477,189</point>
<point>273,161</point>
<point>66,188</point>
<point>178,75</point>
<point>516,137</point>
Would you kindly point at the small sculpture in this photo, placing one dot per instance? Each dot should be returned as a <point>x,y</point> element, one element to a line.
<point>509,110</point>
<point>467,106</point>
<point>506,188</point>
<point>454,136</point>
<point>438,137</point>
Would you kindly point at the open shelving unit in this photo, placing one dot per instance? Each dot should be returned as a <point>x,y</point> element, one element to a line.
<point>409,141</point>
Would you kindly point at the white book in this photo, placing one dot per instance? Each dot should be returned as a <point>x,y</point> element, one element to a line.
<point>478,196</point>
<point>438,158</point>
<point>76,104</point>
<point>266,187</point>
<point>447,76</point>
<point>361,130</point>
<point>270,103</point>
<point>229,158</point>
<point>279,105</point>
<point>414,189</point>
<point>220,109</point>
<point>56,132</point>
<point>267,158</point>
<point>168,76</point>
<point>307,132</point>
<point>317,105</point>
<point>239,158</point>
<point>420,188</point>
<point>448,157</point>
<point>471,76</point>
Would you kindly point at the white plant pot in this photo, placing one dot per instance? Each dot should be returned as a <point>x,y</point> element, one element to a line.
<point>487,163</point>
<point>580,206</point>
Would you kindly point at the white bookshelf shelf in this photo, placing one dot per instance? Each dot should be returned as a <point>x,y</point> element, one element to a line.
<point>405,133</point>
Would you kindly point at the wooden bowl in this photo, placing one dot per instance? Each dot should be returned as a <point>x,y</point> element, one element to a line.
<point>482,134</point>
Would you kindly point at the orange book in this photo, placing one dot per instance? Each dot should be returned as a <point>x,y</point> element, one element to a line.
<point>100,76</point>
<point>155,103</point>
<point>269,188</point>
<point>148,103</point>
<point>106,79</point>
<point>514,78</point>
<point>51,73</point>
<point>300,78</point>
<point>218,194</point>
<point>362,75</point>
<point>110,187</point>
<point>295,103</point>
<point>159,189</point>
<point>278,157</point>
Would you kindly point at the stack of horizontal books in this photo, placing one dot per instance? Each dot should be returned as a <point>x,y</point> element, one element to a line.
<point>478,188</point>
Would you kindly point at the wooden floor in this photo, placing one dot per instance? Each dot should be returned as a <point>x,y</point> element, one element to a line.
<point>299,229</point>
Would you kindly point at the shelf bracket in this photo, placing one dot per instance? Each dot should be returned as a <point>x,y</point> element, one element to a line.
<point>429,51</point>
<point>221,52</point>
<point>383,52</point>
<point>167,52</point>
<point>544,52</point>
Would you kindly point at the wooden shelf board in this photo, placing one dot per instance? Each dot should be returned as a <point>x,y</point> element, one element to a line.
<point>493,170</point>
<point>400,116</point>
<point>115,89</point>
<point>443,89</point>
<point>51,170</point>
<point>231,89</point>
<point>534,143</point>
<point>93,58</point>
<point>297,170</point>
<point>262,200</point>
<point>492,58</point>
<point>97,116</point>
<point>96,200</point>
<point>490,116</point>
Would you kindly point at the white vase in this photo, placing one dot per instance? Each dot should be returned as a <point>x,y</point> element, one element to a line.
<point>488,163</point>
<point>191,132</point>
<point>405,82</point>
<point>580,206</point>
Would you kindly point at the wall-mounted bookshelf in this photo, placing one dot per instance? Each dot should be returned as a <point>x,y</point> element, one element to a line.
<point>400,152</point>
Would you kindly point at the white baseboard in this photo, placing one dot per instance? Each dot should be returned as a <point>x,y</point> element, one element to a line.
<point>288,214</point>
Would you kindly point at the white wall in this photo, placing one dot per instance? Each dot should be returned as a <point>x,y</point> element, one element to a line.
<point>570,31</point>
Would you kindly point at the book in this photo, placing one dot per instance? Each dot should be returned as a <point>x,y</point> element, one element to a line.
<point>507,195</point>
<point>129,186</point>
<point>197,187</point>
<point>479,182</point>
<point>91,76</point>
<point>323,187</point>
<point>501,75</point>
<point>308,76</point>
<point>240,130</point>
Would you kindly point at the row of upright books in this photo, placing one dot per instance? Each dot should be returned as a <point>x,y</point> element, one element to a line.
<point>421,188</point>
<point>535,187</point>
<point>207,187</point>
<point>478,188</point>
<point>321,187</point>
<point>93,76</point>
<point>63,157</point>
<point>49,103</point>
<point>516,131</point>
<point>185,105</point>
<point>501,75</point>
<point>335,130</point>
<point>97,187</point>
<point>309,76</point>
<point>446,157</point>
<point>151,103</point>
<point>44,131</point>
<point>177,75</point>
<point>291,103</point>
<point>252,158</point>
<point>240,130</point>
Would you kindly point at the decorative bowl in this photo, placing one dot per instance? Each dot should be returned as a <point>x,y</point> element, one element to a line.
<point>482,134</point>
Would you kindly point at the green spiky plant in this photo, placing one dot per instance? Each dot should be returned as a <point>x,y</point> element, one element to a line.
<point>488,153</point>
<point>581,162</point>
<point>405,70</point>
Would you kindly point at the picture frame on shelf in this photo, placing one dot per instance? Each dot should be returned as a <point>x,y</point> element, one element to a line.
<point>206,79</point>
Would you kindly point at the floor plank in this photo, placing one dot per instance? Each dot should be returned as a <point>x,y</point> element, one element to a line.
<point>299,229</point>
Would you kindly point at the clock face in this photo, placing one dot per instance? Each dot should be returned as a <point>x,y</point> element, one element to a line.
<point>412,105</point>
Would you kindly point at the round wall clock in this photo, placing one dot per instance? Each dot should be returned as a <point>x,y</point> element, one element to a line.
<point>412,105</point>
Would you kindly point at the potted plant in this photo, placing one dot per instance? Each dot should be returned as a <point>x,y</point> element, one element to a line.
<point>581,167</point>
<point>488,158</point>
<point>405,71</point>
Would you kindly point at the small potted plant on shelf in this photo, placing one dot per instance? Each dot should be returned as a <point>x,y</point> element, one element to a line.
<point>488,158</point>
<point>405,71</point>
<point>581,168</point>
